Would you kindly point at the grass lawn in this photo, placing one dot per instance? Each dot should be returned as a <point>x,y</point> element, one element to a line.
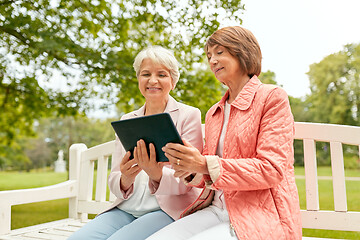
<point>35,213</point>
<point>21,180</point>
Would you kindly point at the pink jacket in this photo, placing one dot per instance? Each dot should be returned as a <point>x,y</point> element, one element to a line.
<point>171,193</point>
<point>256,172</point>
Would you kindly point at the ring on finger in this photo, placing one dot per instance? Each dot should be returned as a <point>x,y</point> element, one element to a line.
<point>178,162</point>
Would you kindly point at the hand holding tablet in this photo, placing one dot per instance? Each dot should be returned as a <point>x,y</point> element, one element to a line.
<point>158,129</point>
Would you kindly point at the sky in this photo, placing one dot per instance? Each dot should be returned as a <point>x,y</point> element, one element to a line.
<point>293,34</point>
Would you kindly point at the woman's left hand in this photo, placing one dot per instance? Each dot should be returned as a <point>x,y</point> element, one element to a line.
<point>146,162</point>
<point>185,158</point>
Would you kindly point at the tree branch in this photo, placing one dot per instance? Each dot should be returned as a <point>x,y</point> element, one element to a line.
<point>16,34</point>
<point>7,92</point>
<point>33,44</point>
<point>6,2</point>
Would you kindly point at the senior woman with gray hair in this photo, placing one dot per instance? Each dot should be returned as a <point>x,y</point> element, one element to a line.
<point>149,197</point>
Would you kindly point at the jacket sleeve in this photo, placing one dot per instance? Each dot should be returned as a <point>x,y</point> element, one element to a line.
<point>115,174</point>
<point>191,131</point>
<point>274,151</point>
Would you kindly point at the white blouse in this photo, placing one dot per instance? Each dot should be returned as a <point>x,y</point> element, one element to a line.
<point>219,200</point>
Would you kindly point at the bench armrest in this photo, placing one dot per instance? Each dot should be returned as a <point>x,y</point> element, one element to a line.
<point>67,189</point>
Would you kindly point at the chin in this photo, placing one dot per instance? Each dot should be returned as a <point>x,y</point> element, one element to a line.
<point>156,97</point>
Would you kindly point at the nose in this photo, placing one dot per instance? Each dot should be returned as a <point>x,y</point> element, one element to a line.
<point>153,79</point>
<point>213,61</point>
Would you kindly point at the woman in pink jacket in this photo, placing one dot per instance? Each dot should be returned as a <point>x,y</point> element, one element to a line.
<point>246,169</point>
<point>149,197</point>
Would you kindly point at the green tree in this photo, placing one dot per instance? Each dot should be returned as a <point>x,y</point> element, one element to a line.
<point>335,96</point>
<point>268,77</point>
<point>13,157</point>
<point>335,87</point>
<point>300,111</point>
<point>61,133</point>
<point>54,134</point>
<point>92,44</point>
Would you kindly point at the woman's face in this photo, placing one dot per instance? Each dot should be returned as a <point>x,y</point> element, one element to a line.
<point>155,81</point>
<point>225,66</point>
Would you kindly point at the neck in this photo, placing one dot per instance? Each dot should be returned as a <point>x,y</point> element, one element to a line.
<point>235,87</point>
<point>155,107</point>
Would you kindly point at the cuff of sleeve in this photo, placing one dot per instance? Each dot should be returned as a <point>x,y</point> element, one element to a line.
<point>126,194</point>
<point>153,186</point>
<point>213,166</point>
<point>195,181</point>
<point>162,187</point>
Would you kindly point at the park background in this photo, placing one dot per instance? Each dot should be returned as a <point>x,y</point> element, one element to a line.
<point>66,73</point>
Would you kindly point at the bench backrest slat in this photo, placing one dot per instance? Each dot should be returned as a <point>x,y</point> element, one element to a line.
<point>311,181</point>
<point>101,179</point>
<point>86,178</point>
<point>338,175</point>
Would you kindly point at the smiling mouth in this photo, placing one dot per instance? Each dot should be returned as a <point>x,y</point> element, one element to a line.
<point>153,88</point>
<point>217,70</point>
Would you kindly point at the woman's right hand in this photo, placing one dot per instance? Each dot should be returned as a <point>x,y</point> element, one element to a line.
<point>129,170</point>
<point>185,159</point>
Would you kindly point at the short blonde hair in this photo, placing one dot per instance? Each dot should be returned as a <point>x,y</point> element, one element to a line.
<point>159,55</point>
<point>241,43</point>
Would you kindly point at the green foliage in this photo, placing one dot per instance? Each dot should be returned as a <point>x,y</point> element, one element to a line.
<point>335,97</point>
<point>54,134</point>
<point>268,77</point>
<point>351,157</point>
<point>92,44</point>
<point>13,156</point>
<point>202,91</point>
<point>300,109</point>
<point>335,87</point>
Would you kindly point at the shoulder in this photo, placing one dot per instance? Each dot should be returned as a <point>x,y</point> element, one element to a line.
<point>186,115</point>
<point>128,115</point>
<point>272,99</point>
<point>187,109</point>
<point>269,92</point>
<point>212,109</point>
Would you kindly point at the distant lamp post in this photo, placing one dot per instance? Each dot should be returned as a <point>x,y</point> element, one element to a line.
<point>60,164</point>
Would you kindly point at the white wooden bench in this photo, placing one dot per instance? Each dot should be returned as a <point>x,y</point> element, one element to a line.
<point>79,187</point>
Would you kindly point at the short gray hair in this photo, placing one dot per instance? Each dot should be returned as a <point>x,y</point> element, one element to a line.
<point>159,55</point>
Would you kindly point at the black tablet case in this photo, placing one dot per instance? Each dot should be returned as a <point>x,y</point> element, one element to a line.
<point>158,129</point>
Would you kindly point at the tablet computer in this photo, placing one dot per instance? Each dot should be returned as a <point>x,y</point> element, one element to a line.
<point>158,129</point>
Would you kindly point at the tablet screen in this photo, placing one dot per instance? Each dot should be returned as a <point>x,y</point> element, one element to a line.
<point>158,129</point>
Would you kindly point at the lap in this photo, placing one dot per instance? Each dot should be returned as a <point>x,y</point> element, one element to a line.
<point>117,224</point>
<point>221,231</point>
<point>143,226</point>
<point>192,225</point>
<point>104,225</point>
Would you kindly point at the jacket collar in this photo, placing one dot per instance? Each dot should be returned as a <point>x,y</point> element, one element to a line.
<point>244,98</point>
<point>171,106</point>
